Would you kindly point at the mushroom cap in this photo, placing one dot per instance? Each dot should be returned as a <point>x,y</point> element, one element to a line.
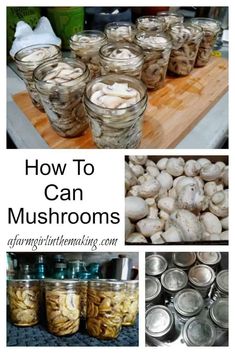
<point>210,172</point>
<point>175,166</point>
<point>135,208</point>
<point>188,224</point>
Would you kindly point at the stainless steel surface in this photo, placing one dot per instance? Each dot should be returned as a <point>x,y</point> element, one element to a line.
<point>153,290</point>
<point>209,258</point>
<point>159,321</point>
<point>184,260</point>
<point>155,265</point>
<point>174,279</point>
<point>199,332</point>
<point>188,302</point>
<point>219,312</point>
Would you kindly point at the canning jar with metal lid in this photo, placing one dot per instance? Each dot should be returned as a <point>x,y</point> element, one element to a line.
<point>219,313</point>
<point>62,306</point>
<point>185,43</point>
<point>24,300</point>
<point>220,288</point>
<point>61,84</point>
<point>188,303</point>
<point>115,105</point>
<point>120,31</point>
<point>150,24</point>
<point>157,49</point>
<point>159,322</point>
<point>184,260</point>
<point>85,46</point>
<point>201,277</point>
<point>121,58</point>
<point>173,280</point>
<point>155,265</point>
<point>131,301</point>
<point>211,29</point>
<point>171,18</point>
<point>199,331</point>
<point>105,308</point>
<point>211,259</point>
<point>153,291</point>
<point>27,59</point>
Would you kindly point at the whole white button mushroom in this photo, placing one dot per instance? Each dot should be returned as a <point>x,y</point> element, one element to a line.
<point>167,204</point>
<point>165,180</point>
<point>136,238</point>
<point>188,224</point>
<point>138,159</point>
<point>135,208</point>
<point>149,226</point>
<point>210,172</point>
<point>175,166</point>
<point>210,223</point>
<point>192,168</point>
<point>161,164</point>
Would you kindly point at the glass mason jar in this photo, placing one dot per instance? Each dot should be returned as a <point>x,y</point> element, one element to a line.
<point>120,31</point>
<point>184,260</point>
<point>220,289</point>
<point>24,299</point>
<point>185,43</point>
<point>61,85</point>
<point>105,308</point>
<point>153,291</point>
<point>130,304</point>
<point>201,278</point>
<point>150,24</point>
<point>155,265</point>
<point>171,18</point>
<point>211,259</point>
<point>159,323</point>
<point>188,303</point>
<point>121,58</point>
<point>173,280</point>
<point>85,46</point>
<point>27,59</point>
<point>157,49</point>
<point>211,29</point>
<point>199,331</point>
<point>115,105</point>
<point>62,306</point>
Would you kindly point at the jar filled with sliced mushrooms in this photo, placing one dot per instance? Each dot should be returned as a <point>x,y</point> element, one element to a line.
<point>211,29</point>
<point>171,18</point>
<point>185,43</point>
<point>24,300</point>
<point>62,306</point>
<point>61,84</point>
<point>115,105</point>
<point>120,31</point>
<point>27,59</point>
<point>105,308</point>
<point>121,58</point>
<point>150,24</point>
<point>130,304</point>
<point>157,49</point>
<point>85,46</point>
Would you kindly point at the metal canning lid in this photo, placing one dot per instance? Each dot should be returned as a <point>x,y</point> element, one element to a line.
<point>188,302</point>
<point>201,275</point>
<point>60,281</point>
<point>158,321</point>
<point>152,288</point>
<point>199,332</point>
<point>109,282</point>
<point>174,279</point>
<point>155,265</point>
<point>184,259</point>
<point>222,281</point>
<point>219,312</point>
<point>209,258</point>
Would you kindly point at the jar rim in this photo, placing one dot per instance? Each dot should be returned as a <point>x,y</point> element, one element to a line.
<point>126,79</point>
<point>29,280</point>
<point>170,13</point>
<point>119,24</point>
<point>61,60</point>
<point>43,45</point>
<point>157,46</point>
<point>88,33</point>
<point>152,17</point>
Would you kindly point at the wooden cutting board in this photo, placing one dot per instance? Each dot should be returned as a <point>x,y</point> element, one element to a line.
<point>171,114</point>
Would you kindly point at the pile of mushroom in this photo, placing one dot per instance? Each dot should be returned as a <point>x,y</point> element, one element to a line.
<point>174,200</point>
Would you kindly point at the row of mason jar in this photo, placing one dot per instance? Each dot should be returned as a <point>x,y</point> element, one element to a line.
<point>106,305</point>
<point>57,85</point>
<point>162,282</point>
<point>191,294</point>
